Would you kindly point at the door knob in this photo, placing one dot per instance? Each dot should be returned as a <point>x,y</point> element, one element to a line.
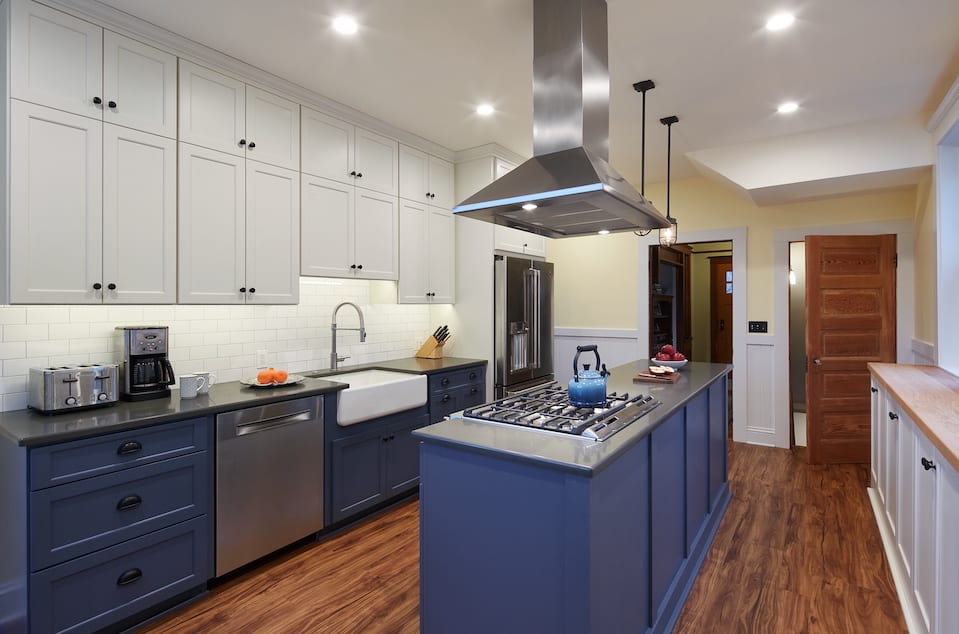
<point>817,361</point>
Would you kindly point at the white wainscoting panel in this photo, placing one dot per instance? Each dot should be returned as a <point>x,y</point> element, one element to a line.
<point>759,428</point>
<point>923,352</point>
<point>616,347</point>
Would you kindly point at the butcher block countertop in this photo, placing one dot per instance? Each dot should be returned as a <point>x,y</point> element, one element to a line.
<point>930,395</point>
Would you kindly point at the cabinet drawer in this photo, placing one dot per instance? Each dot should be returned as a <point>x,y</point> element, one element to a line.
<point>456,378</point>
<point>79,459</point>
<point>445,403</point>
<point>92,592</point>
<point>77,518</point>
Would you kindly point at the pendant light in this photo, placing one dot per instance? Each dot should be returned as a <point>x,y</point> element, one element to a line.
<point>667,236</point>
<point>642,87</point>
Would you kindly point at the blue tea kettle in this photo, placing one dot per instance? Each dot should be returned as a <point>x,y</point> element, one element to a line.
<point>587,388</point>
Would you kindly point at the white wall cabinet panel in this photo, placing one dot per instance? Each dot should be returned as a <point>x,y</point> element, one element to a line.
<point>272,129</point>
<point>441,256</point>
<point>426,254</point>
<point>441,183</point>
<point>516,241</point>
<point>947,528</point>
<point>924,577</point>
<point>890,468</point>
<point>55,59</point>
<point>327,147</point>
<point>212,226</point>
<point>375,230</point>
<point>139,217</point>
<point>875,426</point>
<point>425,178</point>
<point>906,492</point>
<point>326,228</point>
<point>376,161</point>
<point>56,206</point>
<point>272,234</point>
<point>212,109</point>
<point>140,81</point>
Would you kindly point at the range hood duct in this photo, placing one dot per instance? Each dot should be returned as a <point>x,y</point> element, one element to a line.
<point>569,179</point>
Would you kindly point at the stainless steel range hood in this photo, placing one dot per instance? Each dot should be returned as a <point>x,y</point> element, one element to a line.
<point>569,181</point>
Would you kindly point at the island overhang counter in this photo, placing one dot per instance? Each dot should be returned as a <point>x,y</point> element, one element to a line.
<point>529,531</point>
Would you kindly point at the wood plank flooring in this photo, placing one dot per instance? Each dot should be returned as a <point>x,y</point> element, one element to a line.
<point>797,552</point>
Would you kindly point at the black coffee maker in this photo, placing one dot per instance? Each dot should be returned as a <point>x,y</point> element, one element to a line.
<point>145,370</point>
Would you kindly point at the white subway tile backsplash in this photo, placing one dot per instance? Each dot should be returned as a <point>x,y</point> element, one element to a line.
<point>13,315</point>
<point>15,350</point>
<point>48,315</point>
<point>69,331</point>
<point>26,332</point>
<point>13,367</point>
<point>14,401</point>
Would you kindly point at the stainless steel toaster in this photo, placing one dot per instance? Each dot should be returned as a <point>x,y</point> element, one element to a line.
<point>73,386</point>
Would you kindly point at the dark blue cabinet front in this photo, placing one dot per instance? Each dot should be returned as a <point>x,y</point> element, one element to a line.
<point>667,506</point>
<point>718,433</point>
<point>697,469</point>
<point>358,472</point>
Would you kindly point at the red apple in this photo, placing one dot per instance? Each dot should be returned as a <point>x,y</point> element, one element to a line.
<point>662,356</point>
<point>667,349</point>
<point>679,356</point>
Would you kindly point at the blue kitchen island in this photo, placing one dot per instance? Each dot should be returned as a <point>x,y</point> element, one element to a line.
<point>528,531</point>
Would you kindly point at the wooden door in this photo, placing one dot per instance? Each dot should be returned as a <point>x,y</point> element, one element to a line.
<point>850,321</point>
<point>721,309</point>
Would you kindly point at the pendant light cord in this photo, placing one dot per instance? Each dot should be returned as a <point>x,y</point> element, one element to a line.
<point>642,87</point>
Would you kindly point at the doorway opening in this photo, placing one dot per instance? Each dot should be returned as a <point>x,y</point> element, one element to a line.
<point>797,343</point>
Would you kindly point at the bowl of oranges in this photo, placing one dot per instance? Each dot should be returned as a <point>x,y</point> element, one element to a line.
<point>271,377</point>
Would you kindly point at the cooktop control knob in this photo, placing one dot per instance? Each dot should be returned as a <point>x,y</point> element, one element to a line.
<point>71,400</point>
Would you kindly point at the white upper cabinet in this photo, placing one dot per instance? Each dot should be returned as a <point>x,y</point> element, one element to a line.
<point>272,234</point>
<point>376,228</point>
<point>426,254</point>
<point>517,241</point>
<point>475,174</point>
<point>339,151</point>
<point>425,178</point>
<point>56,59</point>
<point>224,114</point>
<point>139,86</point>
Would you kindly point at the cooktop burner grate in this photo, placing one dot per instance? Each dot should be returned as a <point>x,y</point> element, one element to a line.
<point>547,407</point>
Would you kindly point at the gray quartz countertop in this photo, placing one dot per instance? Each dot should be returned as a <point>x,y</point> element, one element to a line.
<point>28,428</point>
<point>575,453</point>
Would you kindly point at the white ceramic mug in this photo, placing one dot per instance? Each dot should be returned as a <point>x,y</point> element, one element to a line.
<point>190,385</point>
<point>209,379</point>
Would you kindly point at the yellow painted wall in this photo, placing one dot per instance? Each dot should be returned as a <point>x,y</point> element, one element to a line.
<point>925,260</point>
<point>596,276</point>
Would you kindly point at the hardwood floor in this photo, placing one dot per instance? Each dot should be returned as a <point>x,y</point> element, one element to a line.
<point>797,552</point>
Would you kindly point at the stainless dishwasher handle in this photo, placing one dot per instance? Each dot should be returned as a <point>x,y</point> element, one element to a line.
<point>267,424</point>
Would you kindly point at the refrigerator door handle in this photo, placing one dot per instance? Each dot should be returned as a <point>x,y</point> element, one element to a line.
<point>533,298</point>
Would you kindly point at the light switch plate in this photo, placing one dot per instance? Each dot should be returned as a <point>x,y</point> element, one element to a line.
<point>759,326</point>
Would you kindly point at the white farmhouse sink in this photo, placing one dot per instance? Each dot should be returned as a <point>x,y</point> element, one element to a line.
<point>375,393</point>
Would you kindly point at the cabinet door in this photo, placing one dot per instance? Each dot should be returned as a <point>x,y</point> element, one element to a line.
<point>375,161</point>
<point>414,175</point>
<point>139,217</point>
<point>358,473</point>
<point>403,458</point>
<point>441,183</point>
<point>667,506</point>
<point>874,409</point>
<point>212,229</point>
<point>327,146</point>
<point>414,252</point>
<point>718,433</point>
<point>376,221</point>
<point>880,422</point>
<point>212,109</point>
<point>924,570</point>
<point>272,234</point>
<point>272,129</point>
<point>56,206</point>
<point>326,231</point>
<point>56,59</point>
<point>947,547</point>
<point>441,256</point>
<point>906,471</point>
<point>892,463</point>
<point>517,241</point>
<point>141,81</point>
<point>502,167</point>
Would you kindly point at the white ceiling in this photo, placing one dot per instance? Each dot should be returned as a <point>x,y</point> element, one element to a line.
<point>423,65</point>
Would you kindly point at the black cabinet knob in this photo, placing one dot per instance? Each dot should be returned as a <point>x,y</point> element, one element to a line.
<point>112,104</point>
<point>432,195</point>
<point>129,503</point>
<point>472,375</point>
<point>129,447</point>
<point>97,100</point>
<point>445,381</point>
<point>359,174</point>
<point>252,145</point>
<point>873,390</point>
<point>359,266</point>
<point>97,286</point>
<point>242,289</point>
<point>474,390</point>
<point>446,397</point>
<point>242,142</point>
<point>893,416</point>
<point>112,286</point>
<point>252,290</point>
<point>353,173</point>
<point>352,266</point>
<point>927,464</point>
<point>129,576</point>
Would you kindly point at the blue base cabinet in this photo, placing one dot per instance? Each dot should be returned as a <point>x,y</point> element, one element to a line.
<point>372,462</point>
<point>512,545</point>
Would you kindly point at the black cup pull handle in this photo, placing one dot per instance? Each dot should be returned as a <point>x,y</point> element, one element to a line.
<point>129,447</point>
<point>129,576</point>
<point>129,503</point>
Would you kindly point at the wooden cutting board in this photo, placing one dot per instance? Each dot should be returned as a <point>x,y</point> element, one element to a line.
<point>643,377</point>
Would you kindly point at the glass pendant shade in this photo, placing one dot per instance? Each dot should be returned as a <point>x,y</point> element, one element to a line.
<point>667,236</point>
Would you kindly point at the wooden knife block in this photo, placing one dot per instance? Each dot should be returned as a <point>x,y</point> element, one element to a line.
<point>431,349</point>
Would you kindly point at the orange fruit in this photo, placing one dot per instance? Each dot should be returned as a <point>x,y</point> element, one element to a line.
<point>280,376</point>
<point>266,376</point>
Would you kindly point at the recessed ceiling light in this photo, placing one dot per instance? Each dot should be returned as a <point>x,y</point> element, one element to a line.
<point>529,206</point>
<point>780,21</point>
<point>485,109</point>
<point>345,24</point>
<point>787,107</point>
<point>603,232</point>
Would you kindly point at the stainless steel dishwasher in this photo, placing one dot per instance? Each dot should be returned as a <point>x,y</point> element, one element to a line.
<point>269,479</point>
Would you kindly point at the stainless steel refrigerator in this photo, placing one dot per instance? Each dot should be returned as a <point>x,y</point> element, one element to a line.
<point>523,317</point>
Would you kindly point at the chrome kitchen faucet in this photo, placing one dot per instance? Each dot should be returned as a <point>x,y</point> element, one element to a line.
<point>335,358</point>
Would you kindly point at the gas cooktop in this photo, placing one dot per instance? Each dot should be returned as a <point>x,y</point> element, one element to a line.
<point>547,408</point>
